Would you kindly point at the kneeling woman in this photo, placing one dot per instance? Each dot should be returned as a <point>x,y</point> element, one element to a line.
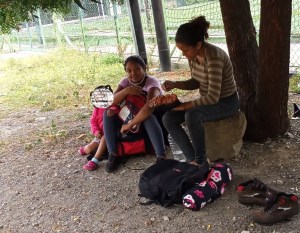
<point>137,82</point>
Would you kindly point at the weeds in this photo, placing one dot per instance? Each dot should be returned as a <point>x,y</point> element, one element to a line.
<point>52,134</point>
<point>295,84</point>
<point>60,79</point>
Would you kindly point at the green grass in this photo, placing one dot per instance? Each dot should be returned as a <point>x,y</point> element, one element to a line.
<point>295,84</point>
<point>60,79</point>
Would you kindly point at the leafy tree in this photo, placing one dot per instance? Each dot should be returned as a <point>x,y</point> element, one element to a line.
<point>262,73</point>
<point>13,12</point>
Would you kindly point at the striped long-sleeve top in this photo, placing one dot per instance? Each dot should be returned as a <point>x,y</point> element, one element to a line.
<point>214,74</point>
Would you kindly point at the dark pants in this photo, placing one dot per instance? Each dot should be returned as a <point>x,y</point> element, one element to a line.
<point>193,145</point>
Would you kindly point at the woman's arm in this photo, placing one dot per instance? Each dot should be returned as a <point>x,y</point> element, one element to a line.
<point>190,84</point>
<point>145,111</point>
<point>121,93</point>
<point>215,76</point>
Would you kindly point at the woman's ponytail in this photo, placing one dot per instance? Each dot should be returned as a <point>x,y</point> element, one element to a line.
<point>192,32</point>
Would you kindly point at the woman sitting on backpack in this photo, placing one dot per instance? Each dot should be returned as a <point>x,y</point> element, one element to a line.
<point>137,82</point>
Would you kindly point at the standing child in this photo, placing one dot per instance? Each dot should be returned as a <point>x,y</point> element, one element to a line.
<point>98,145</point>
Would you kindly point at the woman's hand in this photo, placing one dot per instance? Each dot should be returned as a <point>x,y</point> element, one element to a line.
<point>134,90</point>
<point>168,85</point>
<point>125,128</point>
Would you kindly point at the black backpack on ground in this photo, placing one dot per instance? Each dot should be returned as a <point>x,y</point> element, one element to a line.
<point>166,181</point>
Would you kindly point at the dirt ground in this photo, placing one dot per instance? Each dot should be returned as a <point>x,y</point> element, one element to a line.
<point>43,187</point>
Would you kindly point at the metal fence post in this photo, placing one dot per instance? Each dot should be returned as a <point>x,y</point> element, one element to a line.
<point>40,28</point>
<point>117,27</point>
<point>132,28</point>
<point>81,16</point>
<point>161,35</point>
<point>18,39</point>
<point>137,22</point>
<point>29,35</point>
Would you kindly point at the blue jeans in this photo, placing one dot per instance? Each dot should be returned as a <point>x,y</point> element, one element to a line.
<point>113,124</point>
<point>194,149</point>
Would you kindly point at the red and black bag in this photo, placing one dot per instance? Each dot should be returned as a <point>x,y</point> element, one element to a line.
<point>137,145</point>
<point>130,107</point>
<point>133,144</point>
<point>136,141</point>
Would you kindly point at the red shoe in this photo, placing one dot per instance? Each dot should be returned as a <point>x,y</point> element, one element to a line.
<point>90,166</point>
<point>81,151</point>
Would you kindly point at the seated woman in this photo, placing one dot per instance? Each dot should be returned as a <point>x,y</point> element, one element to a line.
<point>137,82</point>
<point>212,74</point>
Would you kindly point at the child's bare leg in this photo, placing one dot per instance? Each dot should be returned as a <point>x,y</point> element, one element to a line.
<point>93,164</point>
<point>92,147</point>
<point>101,149</point>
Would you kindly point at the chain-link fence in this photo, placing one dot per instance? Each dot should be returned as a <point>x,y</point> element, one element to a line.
<point>106,28</point>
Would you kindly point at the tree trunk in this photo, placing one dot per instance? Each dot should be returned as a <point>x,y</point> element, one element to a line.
<point>243,51</point>
<point>263,86</point>
<point>273,84</point>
